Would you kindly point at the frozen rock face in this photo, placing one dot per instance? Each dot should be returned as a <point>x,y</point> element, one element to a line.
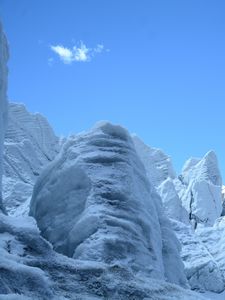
<point>201,268</point>
<point>157,164</point>
<point>95,203</point>
<point>200,189</point>
<point>3,98</point>
<point>30,144</point>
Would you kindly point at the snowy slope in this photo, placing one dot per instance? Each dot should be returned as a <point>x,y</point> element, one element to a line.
<point>98,188</point>
<point>200,189</point>
<point>3,98</point>
<point>30,144</point>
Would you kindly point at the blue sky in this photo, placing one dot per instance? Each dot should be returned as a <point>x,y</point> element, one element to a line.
<point>155,67</point>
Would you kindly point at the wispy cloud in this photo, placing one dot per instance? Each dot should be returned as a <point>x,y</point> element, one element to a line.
<point>79,53</point>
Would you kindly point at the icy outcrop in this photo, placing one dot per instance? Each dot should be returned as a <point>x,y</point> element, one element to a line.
<point>214,240</point>
<point>202,270</point>
<point>3,98</point>
<point>200,189</point>
<point>30,269</point>
<point>157,164</point>
<point>30,144</point>
<point>171,201</point>
<point>95,203</point>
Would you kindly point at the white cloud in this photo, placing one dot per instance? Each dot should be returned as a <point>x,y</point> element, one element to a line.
<point>65,54</point>
<point>80,53</point>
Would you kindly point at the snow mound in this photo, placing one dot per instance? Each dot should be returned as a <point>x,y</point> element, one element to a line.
<point>157,164</point>
<point>200,189</point>
<point>3,99</point>
<point>30,144</point>
<point>95,203</point>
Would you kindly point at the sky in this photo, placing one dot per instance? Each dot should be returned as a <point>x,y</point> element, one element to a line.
<point>156,67</point>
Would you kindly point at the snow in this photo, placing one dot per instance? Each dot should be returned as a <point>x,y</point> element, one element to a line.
<point>200,189</point>
<point>30,144</point>
<point>94,202</point>
<point>3,98</point>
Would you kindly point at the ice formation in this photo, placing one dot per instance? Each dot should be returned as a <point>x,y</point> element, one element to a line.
<point>201,268</point>
<point>171,201</point>
<point>32,270</point>
<point>157,164</point>
<point>3,98</point>
<point>30,144</point>
<point>200,189</point>
<point>94,202</point>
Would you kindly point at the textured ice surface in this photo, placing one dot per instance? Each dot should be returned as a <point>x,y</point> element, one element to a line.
<point>30,269</point>
<point>201,268</point>
<point>94,202</point>
<point>171,201</point>
<point>3,98</point>
<point>200,189</point>
<point>30,144</point>
<point>157,164</point>
<point>214,240</point>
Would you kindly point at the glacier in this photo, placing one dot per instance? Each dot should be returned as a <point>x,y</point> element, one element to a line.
<point>30,144</point>
<point>108,219</point>
<point>201,187</point>
<point>94,202</point>
<point>203,176</point>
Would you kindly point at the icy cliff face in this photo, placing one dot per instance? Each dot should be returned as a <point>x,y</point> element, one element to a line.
<point>157,164</point>
<point>200,189</point>
<point>95,203</point>
<point>171,201</point>
<point>30,144</point>
<point>3,98</point>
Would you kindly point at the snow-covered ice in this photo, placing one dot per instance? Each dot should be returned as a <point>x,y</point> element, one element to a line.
<point>200,189</point>
<point>201,268</point>
<point>30,144</point>
<point>94,202</point>
<point>157,164</point>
